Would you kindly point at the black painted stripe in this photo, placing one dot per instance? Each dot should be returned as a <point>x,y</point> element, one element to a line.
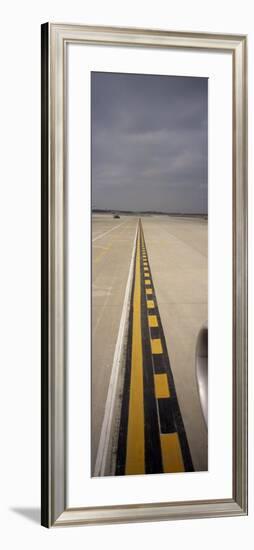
<point>159,366</point>
<point>167,418</point>
<point>155,332</point>
<point>153,457</point>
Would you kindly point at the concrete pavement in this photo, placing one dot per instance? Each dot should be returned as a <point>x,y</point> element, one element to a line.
<point>111,256</point>
<point>177,252</point>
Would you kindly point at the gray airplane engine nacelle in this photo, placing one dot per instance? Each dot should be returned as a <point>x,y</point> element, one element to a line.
<point>202,369</point>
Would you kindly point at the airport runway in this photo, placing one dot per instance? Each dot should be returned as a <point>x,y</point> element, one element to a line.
<point>176,261</point>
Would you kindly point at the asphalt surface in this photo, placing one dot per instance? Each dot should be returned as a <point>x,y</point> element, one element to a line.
<point>177,252</point>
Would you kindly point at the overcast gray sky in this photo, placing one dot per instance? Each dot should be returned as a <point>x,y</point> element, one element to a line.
<point>149,143</point>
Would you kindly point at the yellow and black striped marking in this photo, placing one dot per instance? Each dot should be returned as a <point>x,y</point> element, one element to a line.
<point>152,436</point>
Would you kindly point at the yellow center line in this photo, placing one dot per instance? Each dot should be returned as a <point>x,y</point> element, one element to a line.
<point>135,452</point>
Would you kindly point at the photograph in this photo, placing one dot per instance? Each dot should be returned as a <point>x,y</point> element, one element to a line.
<point>149,219</point>
<point>144,317</point>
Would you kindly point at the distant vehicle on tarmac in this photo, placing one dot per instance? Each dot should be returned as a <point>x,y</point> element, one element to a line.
<point>116,216</point>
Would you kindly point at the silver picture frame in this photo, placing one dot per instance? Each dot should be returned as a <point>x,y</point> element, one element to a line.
<point>55,38</point>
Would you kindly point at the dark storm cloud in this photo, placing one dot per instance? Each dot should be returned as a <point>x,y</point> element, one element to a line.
<point>149,143</point>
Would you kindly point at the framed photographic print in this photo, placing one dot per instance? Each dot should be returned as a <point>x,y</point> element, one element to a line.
<point>144,275</point>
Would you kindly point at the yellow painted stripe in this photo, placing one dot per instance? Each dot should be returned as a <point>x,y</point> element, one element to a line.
<point>150,304</point>
<point>147,274</point>
<point>171,453</point>
<point>152,320</point>
<point>146,269</point>
<point>156,346</point>
<point>147,282</point>
<point>161,386</point>
<point>149,290</point>
<point>135,452</point>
